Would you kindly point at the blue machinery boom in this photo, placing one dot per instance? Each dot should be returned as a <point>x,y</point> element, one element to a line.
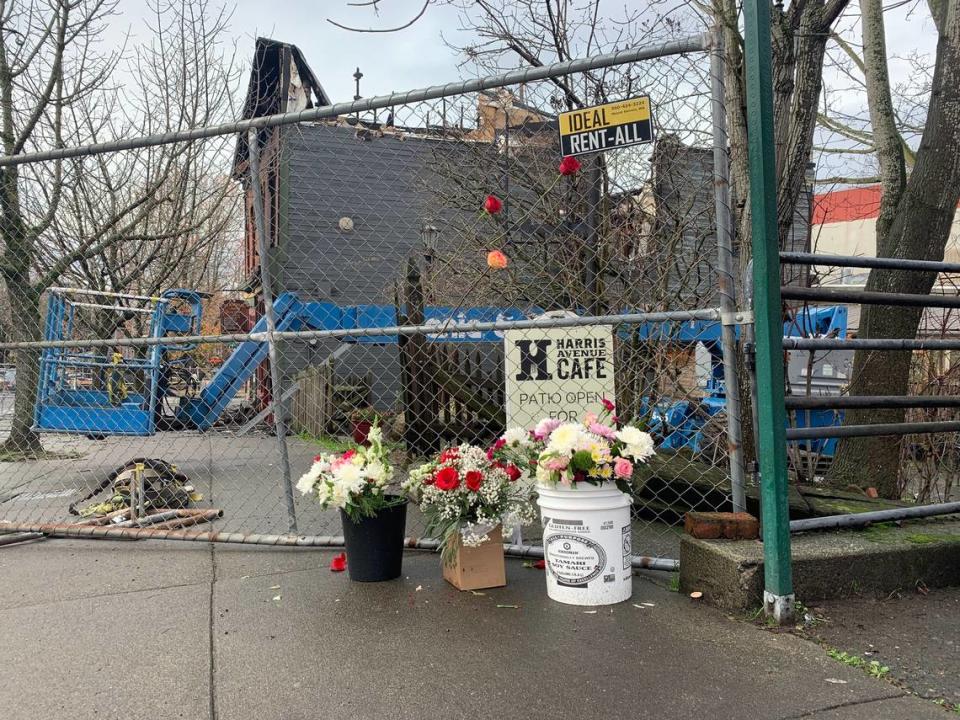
<point>69,400</point>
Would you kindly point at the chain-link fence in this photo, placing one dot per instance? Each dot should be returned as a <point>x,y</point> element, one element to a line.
<point>417,258</point>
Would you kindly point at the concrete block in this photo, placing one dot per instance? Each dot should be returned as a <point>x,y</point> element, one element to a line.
<point>827,565</point>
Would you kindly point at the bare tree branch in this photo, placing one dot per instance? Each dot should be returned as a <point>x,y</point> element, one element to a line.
<point>407,24</point>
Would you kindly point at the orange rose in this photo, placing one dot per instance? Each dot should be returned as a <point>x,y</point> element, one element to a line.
<point>496,260</point>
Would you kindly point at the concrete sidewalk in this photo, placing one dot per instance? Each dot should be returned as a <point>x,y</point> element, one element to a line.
<point>95,629</point>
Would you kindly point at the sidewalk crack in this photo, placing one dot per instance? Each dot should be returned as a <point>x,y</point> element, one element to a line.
<point>851,703</point>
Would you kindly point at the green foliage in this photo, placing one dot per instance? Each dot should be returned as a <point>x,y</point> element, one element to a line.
<point>846,658</point>
<point>371,505</point>
<point>872,668</point>
<point>674,585</point>
<point>582,460</point>
<point>326,442</point>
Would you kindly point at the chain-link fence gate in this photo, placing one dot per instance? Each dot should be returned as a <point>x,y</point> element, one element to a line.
<point>364,287</point>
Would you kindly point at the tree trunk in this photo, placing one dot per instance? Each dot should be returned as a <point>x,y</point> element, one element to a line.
<point>25,313</point>
<point>919,227</point>
<point>25,304</point>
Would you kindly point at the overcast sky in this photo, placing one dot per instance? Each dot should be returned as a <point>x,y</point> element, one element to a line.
<point>417,56</point>
<point>389,61</point>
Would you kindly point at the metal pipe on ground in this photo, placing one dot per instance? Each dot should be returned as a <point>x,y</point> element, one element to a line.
<point>640,562</point>
<point>68,530</point>
<point>876,430</point>
<point>835,522</point>
<point>831,402</point>
<point>14,538</point>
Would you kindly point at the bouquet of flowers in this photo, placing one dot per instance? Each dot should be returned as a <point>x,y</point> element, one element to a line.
<point>467,492</point>
<point>354,481</point>
<point>592,451</point>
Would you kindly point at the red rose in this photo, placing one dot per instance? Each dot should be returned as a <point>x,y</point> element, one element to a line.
<point>474,480</point>
<point>317,458</point>
<point>513,472</point>
<point>569,165</point>
<point>540,564</point>
<point>339,563</point>
<point>348,454</point>
<point>492,205</point>
<point>447,478</point>
<point>608,405</point>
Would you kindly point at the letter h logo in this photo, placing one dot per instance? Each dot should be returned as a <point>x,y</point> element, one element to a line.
<point>536,360</point>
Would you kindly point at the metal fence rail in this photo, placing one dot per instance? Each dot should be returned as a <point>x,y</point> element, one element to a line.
<point>937,401</point>
<point>363,264</point>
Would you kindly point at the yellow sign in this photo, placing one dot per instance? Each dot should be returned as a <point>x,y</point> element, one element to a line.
<point>605,127</point>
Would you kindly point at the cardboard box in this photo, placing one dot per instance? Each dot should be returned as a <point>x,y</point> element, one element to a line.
<point>473,568</point>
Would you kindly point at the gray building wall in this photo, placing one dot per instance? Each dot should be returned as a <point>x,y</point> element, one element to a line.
<point>682,260</point>
<point>386,187</point>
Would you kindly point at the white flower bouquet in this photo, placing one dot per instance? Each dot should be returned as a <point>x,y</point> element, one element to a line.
<point>593,451</point>
<point>354,481</point>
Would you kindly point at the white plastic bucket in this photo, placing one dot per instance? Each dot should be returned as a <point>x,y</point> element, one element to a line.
<point>587,543</point>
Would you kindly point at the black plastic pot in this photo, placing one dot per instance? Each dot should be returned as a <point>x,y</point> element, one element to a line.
<point>375,544</point>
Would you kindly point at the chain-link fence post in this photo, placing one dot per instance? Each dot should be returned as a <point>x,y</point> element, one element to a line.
<point>276,393</point>
<point>725,273</point>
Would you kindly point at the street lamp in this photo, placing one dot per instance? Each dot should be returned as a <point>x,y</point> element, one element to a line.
<point>428,239</point>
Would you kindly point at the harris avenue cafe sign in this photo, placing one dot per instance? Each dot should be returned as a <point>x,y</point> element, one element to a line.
<point>560,373</point>
<point>606,127</point>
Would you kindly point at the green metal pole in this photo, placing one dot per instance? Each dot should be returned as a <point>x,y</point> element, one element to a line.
<point>778,598</point>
